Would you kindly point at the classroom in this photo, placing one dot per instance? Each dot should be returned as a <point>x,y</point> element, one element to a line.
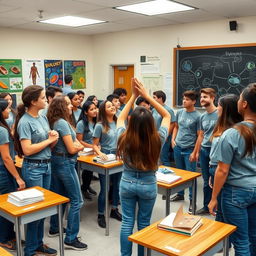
<point>126,39</point>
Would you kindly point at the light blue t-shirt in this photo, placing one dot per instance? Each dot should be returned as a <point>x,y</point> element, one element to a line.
<point>163,133</point>
<point>87,136</point>
<point>158,118</point>
<point>188,123</point>
<point>108,141</point>
<point>230,151</point>
<point>4,139</point>
<point>67,89</point>
<point>207,123</point>
<point>213,156</point>
<point>10,120</point>
<point>35,129</point>
<point>118,111</point>
<point>63,128</point>
<point>77,114</point>
<point>44,111</point>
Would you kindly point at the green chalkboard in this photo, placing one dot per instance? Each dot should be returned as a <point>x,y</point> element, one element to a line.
<point>226,68</point>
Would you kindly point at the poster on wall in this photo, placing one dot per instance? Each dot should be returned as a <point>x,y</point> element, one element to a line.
<point>11,75</point>
<point>33,72</point>
<point>76,68</point>
<point>53,73</point>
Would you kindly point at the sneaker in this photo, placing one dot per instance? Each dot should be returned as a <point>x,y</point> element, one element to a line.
<point>87,195</point>
<point>10,245</point>
<point>177,198</point>
<point>190,207</point>
<point>92,192</point>
<point>115,214</point>
<point>76,245</point>
<point>46,250</point>
<point>55,233</point>
<point>202,211</point>
<point>101,221</point>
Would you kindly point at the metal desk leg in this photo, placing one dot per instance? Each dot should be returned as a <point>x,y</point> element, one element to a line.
<point>61,243</point>
<point>106,201</point>
<point>194,195</point>
<point>167,202</point>
<point>18,236</point>
<point>148,252</point>
<point>226,246</point>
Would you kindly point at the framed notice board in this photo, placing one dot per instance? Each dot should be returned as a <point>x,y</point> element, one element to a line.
<point>225,68</point>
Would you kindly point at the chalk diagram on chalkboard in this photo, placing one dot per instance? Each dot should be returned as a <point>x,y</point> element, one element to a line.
<point>228,73</point>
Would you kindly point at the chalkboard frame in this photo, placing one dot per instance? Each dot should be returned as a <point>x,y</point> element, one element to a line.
<point>176,62</point>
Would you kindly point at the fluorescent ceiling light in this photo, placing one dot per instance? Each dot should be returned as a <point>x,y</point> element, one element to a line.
<point>72,21</point>
<point>155,7</point>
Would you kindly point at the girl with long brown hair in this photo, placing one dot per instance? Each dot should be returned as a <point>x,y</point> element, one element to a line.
<point>139,146</point>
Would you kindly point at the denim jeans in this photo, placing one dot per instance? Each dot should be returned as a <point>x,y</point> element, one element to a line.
<point>204,163</point>
<point>136,188</point>
<point>165,155</point>
<point>7,185</point>
<point>65,182</point>
<point>35,174</point>
<point>239,209</point>
<point>181,157</point>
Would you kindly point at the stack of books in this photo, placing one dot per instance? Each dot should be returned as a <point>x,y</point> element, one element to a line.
<point>86,151</point>
<point>111,159</point>
<point>180,223</point>
<point>166,175</point>
<point>25,197</point>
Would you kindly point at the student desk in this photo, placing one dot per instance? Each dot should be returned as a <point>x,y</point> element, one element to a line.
<point>3,252</point>
<point>51,205</point>
<point>187,180</point>
<point>86,162</point>
<point>207,240</point>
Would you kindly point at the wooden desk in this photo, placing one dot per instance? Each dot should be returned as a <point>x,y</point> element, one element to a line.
<point>86,162</point>
<point>187,180</point>
<point>3,252</point>
<point>208,240</point>
<point>51,205</point>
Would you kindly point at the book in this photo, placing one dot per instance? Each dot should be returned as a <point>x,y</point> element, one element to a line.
<point>86,152</point>
<point>111,159</point>
<point>167,178</point>
<point>180,223</point>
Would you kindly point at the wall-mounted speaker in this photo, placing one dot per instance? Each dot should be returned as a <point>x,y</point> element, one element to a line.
<point>233,25</point>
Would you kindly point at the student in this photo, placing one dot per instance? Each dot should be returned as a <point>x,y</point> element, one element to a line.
<point>81,95</point>
<point>34,139</point>
<point>142,102</point>
<point>236,176</point>
<point>227,116</point>
<point>122,93</point>
<point>105,134</point>
<point>10,120</point>
<point>93,99</point>
<point>114,98</point>
<point>138,187</point>
<point>184,138</point>
<point>9,176</point>
<point>165,155</point>
<point>67,88</point>
<point>65,180</point>
<point>203,144</point>
<point>75,101</point>
<point>84,131</point>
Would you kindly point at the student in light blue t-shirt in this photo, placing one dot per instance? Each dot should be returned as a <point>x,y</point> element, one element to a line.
<point>65,180</point>
<point>34,140</point>
<point>76,111</point>
<point>114,98</point>
<point>10,179</point>
<point>236,176</point>
<point>184,138</point>
<point>84,131</point>
<point>105,135</point>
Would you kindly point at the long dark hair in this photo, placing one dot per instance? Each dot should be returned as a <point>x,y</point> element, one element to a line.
<point>103,116</point>
<point>30,93</point>
<point>140,144</point>
<point>90,98</point>
<point>3,95</point>
<point>249,133</point>
<point>58,109</point>
<point>3,106</point>
<point>84,117</point>
<point>71,95</point>
<point>229,116</point>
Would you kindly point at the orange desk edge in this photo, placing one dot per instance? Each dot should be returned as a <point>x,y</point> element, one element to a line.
<point>3,252</point>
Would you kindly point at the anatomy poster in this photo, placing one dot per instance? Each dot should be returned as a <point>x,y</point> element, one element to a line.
<point>53,73</point>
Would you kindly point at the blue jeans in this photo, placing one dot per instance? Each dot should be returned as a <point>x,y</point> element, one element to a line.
<point>204,163</point>
<point>165,155</point>
<point>136,188</point>
<point>7,185</point>
<point>239,209</point>
<point>65,182</point>
<point>35,174</point>
<point>181,157</point>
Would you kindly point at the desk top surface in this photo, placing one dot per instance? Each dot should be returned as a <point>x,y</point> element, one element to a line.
<point>50,199</point>
<point>3,252</point>
<point>172,244</point>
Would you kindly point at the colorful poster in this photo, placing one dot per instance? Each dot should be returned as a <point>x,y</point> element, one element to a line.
<point>33,73</point>
<point>76,68</point>
<point>11,76</point>
<point>53,73</point>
